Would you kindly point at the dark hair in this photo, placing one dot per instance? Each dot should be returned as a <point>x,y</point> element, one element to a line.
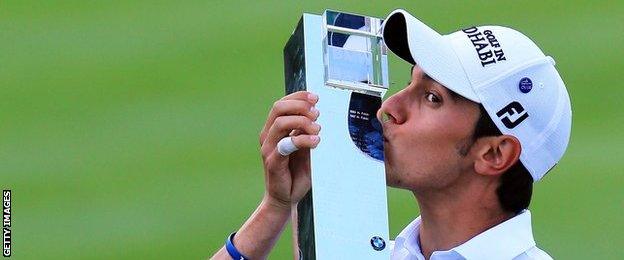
<point>516,184</point>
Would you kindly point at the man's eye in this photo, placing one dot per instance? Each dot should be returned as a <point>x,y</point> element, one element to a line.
<point>432,97</point>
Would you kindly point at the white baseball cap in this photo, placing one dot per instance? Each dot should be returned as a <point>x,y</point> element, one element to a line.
<point>503,70</point>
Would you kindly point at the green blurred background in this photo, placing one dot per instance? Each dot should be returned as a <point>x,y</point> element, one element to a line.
<point>129,128</point>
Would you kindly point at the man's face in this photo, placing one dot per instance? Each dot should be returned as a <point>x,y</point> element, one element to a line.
<point>427,133</point>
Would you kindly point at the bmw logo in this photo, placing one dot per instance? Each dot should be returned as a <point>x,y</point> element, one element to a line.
<point>525,85</point>
<point>378,243</point>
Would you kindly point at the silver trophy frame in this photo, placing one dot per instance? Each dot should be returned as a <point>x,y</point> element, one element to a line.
<point>342,58</point>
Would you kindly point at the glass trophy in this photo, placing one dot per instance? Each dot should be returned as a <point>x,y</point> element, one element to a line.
<point>342,58</point>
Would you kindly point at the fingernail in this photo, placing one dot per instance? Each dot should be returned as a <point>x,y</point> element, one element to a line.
<point>313,97</point>
<point>315,138</point>
<point>317,127</point>
<point>315,112</point>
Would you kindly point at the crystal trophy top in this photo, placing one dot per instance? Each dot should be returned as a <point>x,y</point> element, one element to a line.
<point>354,54</point>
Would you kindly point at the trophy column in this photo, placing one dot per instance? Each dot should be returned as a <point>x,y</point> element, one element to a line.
<point>341,58</point>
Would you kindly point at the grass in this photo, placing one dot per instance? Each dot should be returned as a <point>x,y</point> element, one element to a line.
<point>129,129</point>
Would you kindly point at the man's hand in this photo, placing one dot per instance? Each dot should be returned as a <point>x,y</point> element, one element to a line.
<point>287,178</point>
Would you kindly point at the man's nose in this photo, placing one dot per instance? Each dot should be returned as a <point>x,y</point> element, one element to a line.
<point>391,110</point>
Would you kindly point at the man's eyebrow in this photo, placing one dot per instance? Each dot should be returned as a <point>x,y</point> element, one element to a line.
<point>454,96</point>
<point>425,76</point>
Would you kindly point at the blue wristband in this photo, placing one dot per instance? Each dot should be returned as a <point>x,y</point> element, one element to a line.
<point>231,249</point>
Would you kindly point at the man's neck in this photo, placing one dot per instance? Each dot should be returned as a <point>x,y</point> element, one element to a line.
<point>448,219</point>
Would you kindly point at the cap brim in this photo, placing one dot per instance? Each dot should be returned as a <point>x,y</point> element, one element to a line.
<point>417,43</point>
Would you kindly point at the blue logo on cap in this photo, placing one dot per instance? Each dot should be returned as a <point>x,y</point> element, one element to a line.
<point>525,85</point>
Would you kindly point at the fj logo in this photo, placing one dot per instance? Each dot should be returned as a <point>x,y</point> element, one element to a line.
<point>512,110</point>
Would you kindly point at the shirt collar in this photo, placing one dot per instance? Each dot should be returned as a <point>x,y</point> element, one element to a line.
<point>505,240</point>
<point>409,238</point>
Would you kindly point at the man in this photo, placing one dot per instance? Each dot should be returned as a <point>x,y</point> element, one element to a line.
<point>485,115</point>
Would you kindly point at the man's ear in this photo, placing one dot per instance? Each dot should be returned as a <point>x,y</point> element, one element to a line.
<point>495,154</point>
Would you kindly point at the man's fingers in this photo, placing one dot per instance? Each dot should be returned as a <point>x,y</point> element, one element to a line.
<point>291,144</point>
<point>291,107</point>
<point>298,103</point>
<point>302,95</point>
<point>283,125</point>
<point>295,132</point>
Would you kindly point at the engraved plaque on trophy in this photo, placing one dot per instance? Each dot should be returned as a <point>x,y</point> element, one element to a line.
<point>341,57</point>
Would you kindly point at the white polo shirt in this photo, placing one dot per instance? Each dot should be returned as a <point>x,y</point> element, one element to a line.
<point>512,239</point>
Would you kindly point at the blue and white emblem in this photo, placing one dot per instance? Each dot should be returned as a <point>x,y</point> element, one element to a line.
<point>378,243</point>
<point>525,85</point>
